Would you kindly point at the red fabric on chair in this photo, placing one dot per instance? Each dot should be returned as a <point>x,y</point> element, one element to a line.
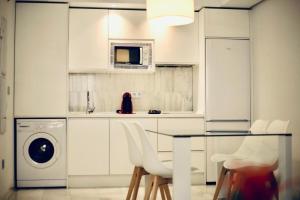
<point>257,183</point>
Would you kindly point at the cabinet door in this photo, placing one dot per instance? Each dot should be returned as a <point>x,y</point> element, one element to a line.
<point>128,24</point>
<point>177,44</point>
<point>165,143</point>
<point>119,157</point>
<point>88,39</point>
<point>41,59</point>
<point>88,146</point>
<point>226,23</point>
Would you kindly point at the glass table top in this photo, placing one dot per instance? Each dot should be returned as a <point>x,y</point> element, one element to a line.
<point>200,133</point>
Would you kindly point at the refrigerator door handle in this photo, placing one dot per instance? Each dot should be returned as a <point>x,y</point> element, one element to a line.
<point>228,120</point>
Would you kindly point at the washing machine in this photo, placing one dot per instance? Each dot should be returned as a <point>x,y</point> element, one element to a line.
<point>40,151</point>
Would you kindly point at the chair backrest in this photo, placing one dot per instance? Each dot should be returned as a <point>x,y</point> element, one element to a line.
<point>251,143</point>
<point>259,126</point>
<point>278,126</point>
<point>266,147</point>
<point>151,161</point>
<point>270,143</point>
<point>135,154</point>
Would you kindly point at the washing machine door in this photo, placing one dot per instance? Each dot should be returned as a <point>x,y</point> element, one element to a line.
<point>41,150</point>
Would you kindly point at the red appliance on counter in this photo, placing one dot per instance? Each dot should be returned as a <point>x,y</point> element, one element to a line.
<point>126,106</point>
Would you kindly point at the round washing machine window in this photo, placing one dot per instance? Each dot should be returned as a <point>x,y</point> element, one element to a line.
<point>41,150</point>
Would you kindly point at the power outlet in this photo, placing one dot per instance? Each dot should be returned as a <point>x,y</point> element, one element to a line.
<point>2,164</point>
<point>136,94</point>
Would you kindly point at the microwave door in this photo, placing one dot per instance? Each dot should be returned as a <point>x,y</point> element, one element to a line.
<point>134,55</point>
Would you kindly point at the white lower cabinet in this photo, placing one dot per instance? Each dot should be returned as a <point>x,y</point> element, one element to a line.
<point>119,157</point>
<point>98,146</point>
<point>88,146</point>
<point>166,124</point>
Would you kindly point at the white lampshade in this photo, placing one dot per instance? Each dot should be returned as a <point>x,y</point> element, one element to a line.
<point>170,12</point>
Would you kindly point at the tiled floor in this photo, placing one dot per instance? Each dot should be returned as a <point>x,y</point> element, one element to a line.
<point>198,192</point>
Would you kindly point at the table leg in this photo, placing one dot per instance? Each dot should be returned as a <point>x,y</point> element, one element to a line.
<point>285,167</point>
<point>181,168</point>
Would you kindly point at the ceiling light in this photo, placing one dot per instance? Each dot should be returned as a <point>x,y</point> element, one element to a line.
<point>170,12</point>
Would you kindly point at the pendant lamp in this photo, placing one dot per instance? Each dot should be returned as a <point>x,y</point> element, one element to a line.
<point>170,12</point>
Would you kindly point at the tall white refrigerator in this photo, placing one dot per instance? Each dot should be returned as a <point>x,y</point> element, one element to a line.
<point>227,95</point>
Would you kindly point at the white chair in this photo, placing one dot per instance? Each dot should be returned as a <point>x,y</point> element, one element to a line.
<point>161,175</point>
<point>265,152</point>
<point>263,155</point>
<point>248,146</point>
<point>135,156</point>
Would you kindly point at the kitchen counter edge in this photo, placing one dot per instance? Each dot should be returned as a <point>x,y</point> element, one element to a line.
<point>136,115</point>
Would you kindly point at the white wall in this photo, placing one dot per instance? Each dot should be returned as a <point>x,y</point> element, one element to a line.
<point>275,36</point>
<point>7,9</point>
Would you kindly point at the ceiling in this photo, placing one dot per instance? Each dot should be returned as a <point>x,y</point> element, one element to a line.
<point>198,3</point>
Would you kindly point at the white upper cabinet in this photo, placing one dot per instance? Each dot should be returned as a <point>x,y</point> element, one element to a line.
<point>41,59</point>
<point>226,23</point>
<point>129,24</point>
<point>177,44</point>
<point>88,39</point>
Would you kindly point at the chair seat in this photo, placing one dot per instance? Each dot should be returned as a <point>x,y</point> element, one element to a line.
<point>251,161</point>
<point>162,169</point>
<point>168,171</point>
<point>219,157</point>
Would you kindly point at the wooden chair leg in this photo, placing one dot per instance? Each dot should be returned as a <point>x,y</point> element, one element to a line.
<point>162,192</point>
<point>220,182</point>
<point>139,175</point>
<point>149,188</point>
<point>167,191</point>
<point>155,187</point>
<point>132,183</point>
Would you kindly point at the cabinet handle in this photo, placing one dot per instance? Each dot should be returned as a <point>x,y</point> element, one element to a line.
<point>228,120</point>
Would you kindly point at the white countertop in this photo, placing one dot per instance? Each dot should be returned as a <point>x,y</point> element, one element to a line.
<point>137,115</point>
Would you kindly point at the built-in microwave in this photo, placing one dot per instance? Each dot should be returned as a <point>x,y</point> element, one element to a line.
<point>131,54</point>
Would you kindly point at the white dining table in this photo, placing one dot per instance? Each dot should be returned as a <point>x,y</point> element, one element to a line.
<point>182,159</point>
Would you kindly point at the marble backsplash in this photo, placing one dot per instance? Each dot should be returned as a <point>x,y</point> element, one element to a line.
<point>168,89</point>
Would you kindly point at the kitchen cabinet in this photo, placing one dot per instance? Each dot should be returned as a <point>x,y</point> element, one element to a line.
<point>88,39</point>
<point>41,59</point>
<point>129,24</point>
<point>177,44</point>
<point>88,146</point>
<point>165,143</point>
<point>119,158</point>
<point>226,23</point>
